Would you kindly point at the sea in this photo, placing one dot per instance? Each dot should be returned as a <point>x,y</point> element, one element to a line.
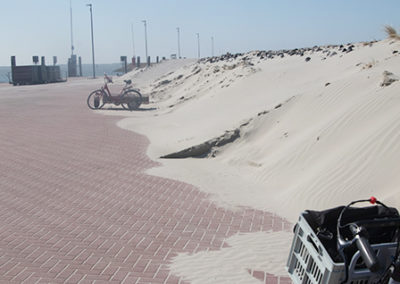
<point>87,70</point>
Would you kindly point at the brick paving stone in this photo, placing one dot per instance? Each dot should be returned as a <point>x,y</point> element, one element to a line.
<point>76,205</point>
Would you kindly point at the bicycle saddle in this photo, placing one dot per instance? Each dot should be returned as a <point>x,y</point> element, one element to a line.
<point>128,82</point>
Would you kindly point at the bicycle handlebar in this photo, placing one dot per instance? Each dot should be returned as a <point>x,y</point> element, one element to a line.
<point>109,79</point>
<point>358,230</point>
<point>395,278</point>
<point>366,251</point>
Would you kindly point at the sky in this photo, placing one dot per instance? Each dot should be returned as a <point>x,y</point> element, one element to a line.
<point>42,27</point>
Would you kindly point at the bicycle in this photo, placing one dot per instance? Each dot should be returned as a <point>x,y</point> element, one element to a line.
<point>352,245</point>
<point>382,262</point>
<point>129,98</point>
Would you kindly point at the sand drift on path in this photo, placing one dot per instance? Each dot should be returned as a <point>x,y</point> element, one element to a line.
<point>300,129</point>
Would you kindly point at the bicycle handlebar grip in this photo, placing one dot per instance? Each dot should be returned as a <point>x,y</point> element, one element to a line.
<point>367,254</point>
<point>395,277</point>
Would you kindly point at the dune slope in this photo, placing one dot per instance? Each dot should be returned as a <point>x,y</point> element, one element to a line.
<point>316,130</point>
<point>279,131</point>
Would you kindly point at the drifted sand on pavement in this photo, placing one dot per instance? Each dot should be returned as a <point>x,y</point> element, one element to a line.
<point>313,135</point>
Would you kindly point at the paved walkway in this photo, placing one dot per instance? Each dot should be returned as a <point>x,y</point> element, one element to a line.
<point>77,207</point>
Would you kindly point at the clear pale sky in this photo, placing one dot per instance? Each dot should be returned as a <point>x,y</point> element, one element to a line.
<point>42,27</point>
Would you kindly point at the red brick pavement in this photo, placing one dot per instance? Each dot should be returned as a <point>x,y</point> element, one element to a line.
<point>77,207</point>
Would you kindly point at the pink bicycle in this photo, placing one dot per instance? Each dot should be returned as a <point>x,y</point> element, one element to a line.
<point>129,98</point>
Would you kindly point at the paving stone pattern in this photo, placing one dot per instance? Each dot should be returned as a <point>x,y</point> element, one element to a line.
<point>77,207</point>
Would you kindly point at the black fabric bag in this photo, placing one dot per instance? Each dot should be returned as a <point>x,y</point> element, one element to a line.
<point>324,224</point>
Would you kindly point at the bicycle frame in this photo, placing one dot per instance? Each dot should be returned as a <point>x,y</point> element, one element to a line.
<point>129,97</point>
<point>117,98</point>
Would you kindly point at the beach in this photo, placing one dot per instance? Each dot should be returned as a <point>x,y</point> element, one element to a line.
<point>278,131</point>
<point>203,184</point>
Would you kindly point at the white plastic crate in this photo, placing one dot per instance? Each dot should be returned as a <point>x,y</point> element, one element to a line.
<point>310,263</point>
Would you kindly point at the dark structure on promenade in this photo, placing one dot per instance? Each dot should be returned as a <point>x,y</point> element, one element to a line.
<point>73,66</point>
<point>35,74</point>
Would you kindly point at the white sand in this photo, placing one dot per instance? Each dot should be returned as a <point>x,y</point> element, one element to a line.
<point>231,264</point>
<point>326,145</point>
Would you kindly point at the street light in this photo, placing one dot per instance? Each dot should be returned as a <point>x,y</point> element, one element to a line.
<point>198,45</point>
<point>72,37</point>
<point>145,39</point>
<point>179,44</point>
<point>91,22</point>
<point>212,46</point>
<point>133,41</point>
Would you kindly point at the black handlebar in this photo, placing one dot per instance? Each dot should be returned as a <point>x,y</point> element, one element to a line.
<point>108,79</point>
<point>367,254</point>
<point>363,245</point>
<point>396,272</point>
<point>358,230</point>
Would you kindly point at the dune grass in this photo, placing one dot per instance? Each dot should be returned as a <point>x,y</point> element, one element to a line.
<point>391,32</point>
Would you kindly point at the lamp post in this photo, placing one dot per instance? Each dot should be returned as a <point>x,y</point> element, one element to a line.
<point>133,41</point>
<point>145,39</point>
<point>198,45</point>
<point>212,46</point>
<point>179,43</point>
<point>91,23</point>
<point>72,37</point>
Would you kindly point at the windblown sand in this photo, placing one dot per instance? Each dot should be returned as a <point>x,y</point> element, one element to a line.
<point>314,134</point>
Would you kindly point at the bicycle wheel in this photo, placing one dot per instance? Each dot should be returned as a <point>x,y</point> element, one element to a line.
<point>95,99</point>
<point>131,100</point>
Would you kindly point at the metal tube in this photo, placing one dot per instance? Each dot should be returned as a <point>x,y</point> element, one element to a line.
<point>198,45</point>
<point>145,37</point>
<point>179,43</point>
<point>91,22</point>
<point>72,37</point>
<point>212,46</point>
<point>133,42</point>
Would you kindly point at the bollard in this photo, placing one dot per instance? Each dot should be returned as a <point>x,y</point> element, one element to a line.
<point>124,64</point>
<point>13,64</point>
<point>148,60</point>
<point>80,66</point>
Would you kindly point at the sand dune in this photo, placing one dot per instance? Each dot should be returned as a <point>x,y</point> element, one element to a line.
<point>319,133</point>
<point>316,129</point>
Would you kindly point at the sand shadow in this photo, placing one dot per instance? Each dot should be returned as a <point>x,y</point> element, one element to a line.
<point>122,109</point>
